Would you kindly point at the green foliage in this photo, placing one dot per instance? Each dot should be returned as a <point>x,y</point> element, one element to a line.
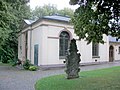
<point>66,12</point>
<point>103,79</point>
<point>14,63</point>
<point>5,64</point>
<point>12,12</point>
<point>95,18</point>
<point>50,10</point>
<point>5,19</point>
<point>26,64</point>
<point>43,11</point>
<point>6,53</point>
<point>33,68</point>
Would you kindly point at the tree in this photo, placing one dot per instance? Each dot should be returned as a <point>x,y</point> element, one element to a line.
<point>12,12</point>
<point>5,19</point>
<point>66,12</point>
<point>50,10</point>
<point>94,18</point>
<point>43,11</point>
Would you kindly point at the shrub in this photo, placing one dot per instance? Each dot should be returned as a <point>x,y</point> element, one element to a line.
<point>5,61</point>
<point>33,68</point>
<point>14,64</point>
<point>26,64</point>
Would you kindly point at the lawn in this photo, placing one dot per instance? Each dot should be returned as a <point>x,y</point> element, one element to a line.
<point>101,79</point>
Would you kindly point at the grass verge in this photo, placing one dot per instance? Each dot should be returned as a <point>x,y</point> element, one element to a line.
<point>102,79</point>
<point>5,64</point>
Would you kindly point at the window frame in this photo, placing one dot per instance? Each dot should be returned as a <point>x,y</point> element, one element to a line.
<point>95,50</point>
<point>64,42</point>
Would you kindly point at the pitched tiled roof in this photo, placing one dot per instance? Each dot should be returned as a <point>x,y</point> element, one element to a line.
<point>53,17</point>
<point>58,18</point>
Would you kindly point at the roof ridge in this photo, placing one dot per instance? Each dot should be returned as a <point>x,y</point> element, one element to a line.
<point>57,14</point>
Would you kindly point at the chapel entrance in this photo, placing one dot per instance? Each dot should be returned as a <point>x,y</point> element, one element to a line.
<point>111,54</point>
<point>36,54</point>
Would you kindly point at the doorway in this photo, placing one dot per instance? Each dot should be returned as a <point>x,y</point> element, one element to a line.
<point>36,54</point>
<point>111,54</point>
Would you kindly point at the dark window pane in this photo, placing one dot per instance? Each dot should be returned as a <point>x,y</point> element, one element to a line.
<point>95,49</point>
<point>64,39</point>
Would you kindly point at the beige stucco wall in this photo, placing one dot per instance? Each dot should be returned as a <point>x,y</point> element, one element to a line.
<point>46,35</point>
<point>86,51</point>
<point>36,39</point>
<point>51,46</point>
<point>117,54</point>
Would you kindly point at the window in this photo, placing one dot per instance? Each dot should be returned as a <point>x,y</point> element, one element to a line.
<point>95,49</point>
<point>119,49</point>
<point>63,44</point>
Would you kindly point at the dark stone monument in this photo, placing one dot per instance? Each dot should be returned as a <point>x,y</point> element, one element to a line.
<point>72,61</point>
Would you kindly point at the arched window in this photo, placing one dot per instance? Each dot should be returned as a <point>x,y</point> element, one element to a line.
<point>63,44</point>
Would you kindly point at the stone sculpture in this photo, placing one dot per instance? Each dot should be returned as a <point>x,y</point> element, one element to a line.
<point>72,61</point>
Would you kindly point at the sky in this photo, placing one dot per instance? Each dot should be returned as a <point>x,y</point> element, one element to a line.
<point>59,3</point>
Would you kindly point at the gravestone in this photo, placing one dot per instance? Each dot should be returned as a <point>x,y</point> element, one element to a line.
<point>72,61</point>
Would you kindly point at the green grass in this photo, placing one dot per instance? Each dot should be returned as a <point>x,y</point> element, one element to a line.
<point>102,79</point>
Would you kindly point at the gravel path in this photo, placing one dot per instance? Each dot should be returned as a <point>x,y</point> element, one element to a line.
<point>12,78</point>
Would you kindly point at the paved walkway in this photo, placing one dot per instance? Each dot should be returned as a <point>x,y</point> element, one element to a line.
<point>12,78</point>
